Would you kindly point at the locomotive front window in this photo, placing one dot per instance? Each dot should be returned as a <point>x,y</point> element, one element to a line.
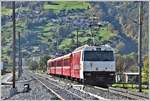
<point>98,56</point>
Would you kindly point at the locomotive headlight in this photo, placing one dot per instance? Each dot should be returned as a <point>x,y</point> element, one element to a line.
<point>88,74</point>
<point>111,74</point>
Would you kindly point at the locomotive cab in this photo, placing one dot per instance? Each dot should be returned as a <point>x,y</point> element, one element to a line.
<point>98,65</point>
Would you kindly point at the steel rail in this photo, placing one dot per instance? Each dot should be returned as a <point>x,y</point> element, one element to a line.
<point>47,87</point>
<point>122,93</point>
<point>61,98</point>
<point>38,78</point>
<point>65,89</point>
<point>96,96</point>
<point>127,94</point>
<point>117,92</point>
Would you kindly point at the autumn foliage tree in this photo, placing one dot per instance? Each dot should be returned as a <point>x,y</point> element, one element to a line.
<point>145,70</point>
<point>119,63</point>
<point>126,63</point>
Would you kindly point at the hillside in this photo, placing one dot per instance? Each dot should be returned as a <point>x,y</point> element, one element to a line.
<point>122,15</point>
<point>51,27</point>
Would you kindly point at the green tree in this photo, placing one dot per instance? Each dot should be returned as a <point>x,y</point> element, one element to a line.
<point>130,61</point>
<point>33,65</point>
<point>133,68</point>
<point>66,45</point>
<point>43,62</point>
<point>145,70</point>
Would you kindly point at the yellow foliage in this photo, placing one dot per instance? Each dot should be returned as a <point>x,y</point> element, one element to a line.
<point>145,70</point>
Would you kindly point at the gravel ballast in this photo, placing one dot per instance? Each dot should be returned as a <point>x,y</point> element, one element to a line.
<point>37,92</point>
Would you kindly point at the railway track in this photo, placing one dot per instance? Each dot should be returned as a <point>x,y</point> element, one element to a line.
<point>130,94</point>
<point>64,92</point>
<point>74,91</point>
<point>121,92</point>
<point>111,93</point>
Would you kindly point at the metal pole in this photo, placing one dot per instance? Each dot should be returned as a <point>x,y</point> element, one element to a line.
<point>19,63</point>
<point>21,59</point>
<point>92,36</point>
<point>77,39</point>
<point>140,45</point>
<point>14,44</point>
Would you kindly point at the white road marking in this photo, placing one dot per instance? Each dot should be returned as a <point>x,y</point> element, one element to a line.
<point>100,88</point>
<point>99,97</point>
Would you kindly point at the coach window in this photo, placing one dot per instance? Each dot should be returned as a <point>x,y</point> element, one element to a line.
<point>49,64</point>
<point>66,62</point>
<point>53,64</point>
<point>59,63</point>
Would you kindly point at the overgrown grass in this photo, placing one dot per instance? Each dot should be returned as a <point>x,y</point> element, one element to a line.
<point>132,87</point>
<point>124,85</point>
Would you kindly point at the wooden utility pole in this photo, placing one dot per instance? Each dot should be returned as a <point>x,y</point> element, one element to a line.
<point>14,44</point>
<point>20,57</point>
<point>140,45</point>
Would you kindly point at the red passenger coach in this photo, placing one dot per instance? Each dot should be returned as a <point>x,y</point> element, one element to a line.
<point>67,65</point>
<point>75,69</point>
<point>59,67</point>
<point>90,64</point>
<point>51,64</point>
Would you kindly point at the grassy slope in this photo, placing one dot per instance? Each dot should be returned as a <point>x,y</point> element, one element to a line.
<point>63,5</point>
<point>6,11</point>
<point>105,33</point>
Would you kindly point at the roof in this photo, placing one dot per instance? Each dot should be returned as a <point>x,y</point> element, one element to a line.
<point>61,57</point>
<point>131,73</point>
<point>87,47</point>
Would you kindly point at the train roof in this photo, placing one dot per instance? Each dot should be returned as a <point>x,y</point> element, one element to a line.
<point>87,47</point>
<point>61,57</point>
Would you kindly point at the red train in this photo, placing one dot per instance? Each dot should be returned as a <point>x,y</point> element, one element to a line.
<point>90,64</point>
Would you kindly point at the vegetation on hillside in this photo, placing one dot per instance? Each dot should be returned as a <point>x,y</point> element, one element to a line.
<point>6,11</point>
<point>126,63</point>
<point>63,5</point>
<point>40,64</point>
<point>51,28</point>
